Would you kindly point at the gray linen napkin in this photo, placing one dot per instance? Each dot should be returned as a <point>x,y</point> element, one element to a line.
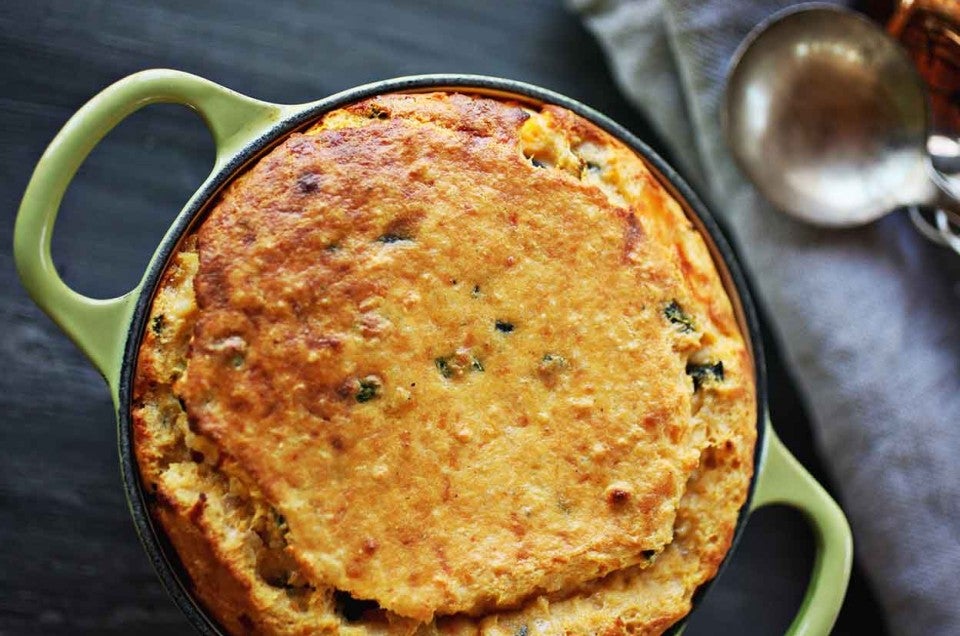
<point>868,319</point>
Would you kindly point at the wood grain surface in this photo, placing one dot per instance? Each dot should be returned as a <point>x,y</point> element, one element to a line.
<point>70,561</point>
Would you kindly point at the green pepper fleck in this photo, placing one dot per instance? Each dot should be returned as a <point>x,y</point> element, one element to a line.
<point>455,365</point>
<point>675,314</point>
<point>159,322</point>
<point>704,373</point>
<point>369,389</point>
<point>443,366</point>
<point>378,112</point>
<point>391,237</point>
<point>503,326</point>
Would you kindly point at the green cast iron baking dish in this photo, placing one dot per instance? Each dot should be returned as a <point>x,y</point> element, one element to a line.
<point>109,331</point>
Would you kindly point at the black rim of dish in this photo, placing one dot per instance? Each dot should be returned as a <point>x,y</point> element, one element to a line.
<point>161,553</point>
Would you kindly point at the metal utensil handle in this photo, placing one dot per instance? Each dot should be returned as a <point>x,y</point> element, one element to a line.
<point>945,228</point>
<point>99,326</point>
<point>942,230</point>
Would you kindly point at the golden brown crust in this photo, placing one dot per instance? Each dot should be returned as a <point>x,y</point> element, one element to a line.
<point>451,372</point>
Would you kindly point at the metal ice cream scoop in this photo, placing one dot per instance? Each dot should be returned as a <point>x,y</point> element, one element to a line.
<point>828,117</point>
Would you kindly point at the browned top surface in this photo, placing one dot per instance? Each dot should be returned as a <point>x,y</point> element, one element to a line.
<point>347,352</point>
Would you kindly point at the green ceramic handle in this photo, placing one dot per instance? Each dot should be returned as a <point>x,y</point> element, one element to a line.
<point>99,327</point>
<point>783,480</point>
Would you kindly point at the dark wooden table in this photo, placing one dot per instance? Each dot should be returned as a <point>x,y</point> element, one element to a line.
<point>70,562</point>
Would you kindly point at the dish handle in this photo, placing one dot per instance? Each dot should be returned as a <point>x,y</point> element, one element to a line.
<point>99,326</point>
<point>783,480</point>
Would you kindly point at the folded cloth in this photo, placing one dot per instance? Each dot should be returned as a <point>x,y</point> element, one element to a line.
<point>869,320</point>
